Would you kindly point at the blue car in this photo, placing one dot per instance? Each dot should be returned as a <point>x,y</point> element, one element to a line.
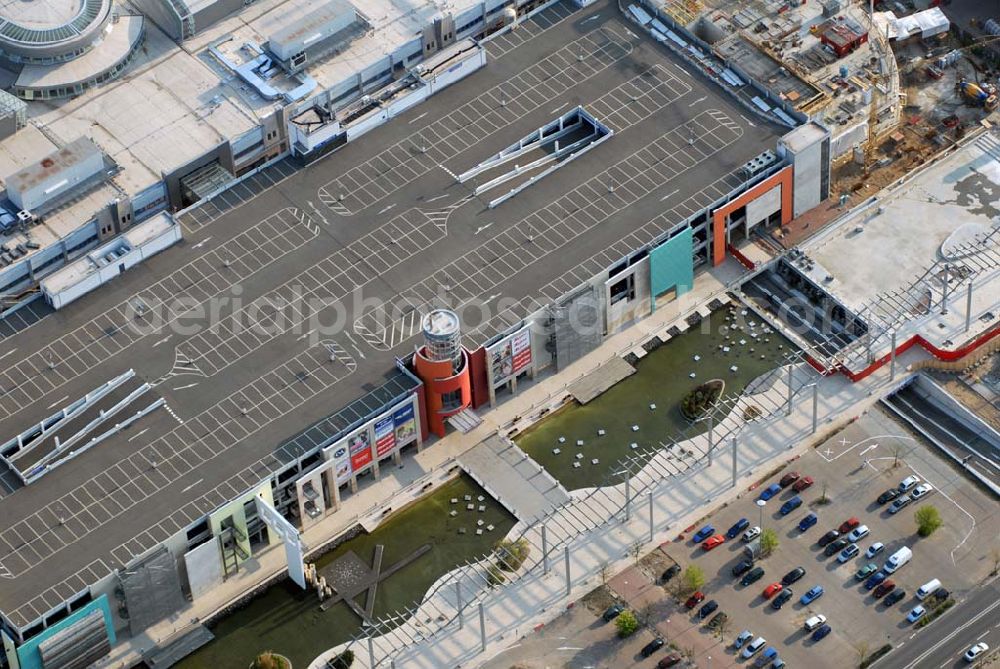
<point>808,522</point>
<point>875,579</point>
<point>703,533</point>
<point>735,530</point>
<point>790,505</point>
<point>821,632</point>
<point>770,491</point>
<point>814,593</point>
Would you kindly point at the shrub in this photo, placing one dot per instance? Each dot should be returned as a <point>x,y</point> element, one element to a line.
<point>511,554</point>
<point>884,650</point>
<point>626,623</point>
<point>768,541</point>
<point>269,660</point>
<point>694,578</point>
<point>494,575</point>
<point>928,520</point>
<point>702,398</point>
<point>343,661</point>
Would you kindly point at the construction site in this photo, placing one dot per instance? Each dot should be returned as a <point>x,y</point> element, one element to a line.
<point>895,82</point>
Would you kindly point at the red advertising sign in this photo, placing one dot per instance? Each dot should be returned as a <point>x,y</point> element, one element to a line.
<point>520,346</point>
<point>385,436</point>
<point>361,450</point>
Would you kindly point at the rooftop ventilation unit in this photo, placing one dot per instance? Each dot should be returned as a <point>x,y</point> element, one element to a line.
<point>759,163</point>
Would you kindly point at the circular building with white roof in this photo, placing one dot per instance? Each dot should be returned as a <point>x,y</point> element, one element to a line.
<point>65,46</point>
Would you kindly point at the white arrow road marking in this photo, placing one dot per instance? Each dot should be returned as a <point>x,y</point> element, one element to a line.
<point>670,194</point>
<point>201,243</point>
<point>482,227</point>
<point>701,99</point>
<point>414,120</point>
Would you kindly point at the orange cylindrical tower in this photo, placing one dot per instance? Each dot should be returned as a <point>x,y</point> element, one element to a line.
<point>443,366</point>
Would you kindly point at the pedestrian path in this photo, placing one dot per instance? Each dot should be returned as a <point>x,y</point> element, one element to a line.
<point>515,480</point>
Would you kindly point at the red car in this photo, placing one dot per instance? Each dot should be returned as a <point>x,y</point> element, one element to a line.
<point>884,589</point>
<point>712,542</point>
<point>849,525</point>
<point>695,599</point>
<point>803,483</point>
<point>788,479</point>
<point>771,590</point>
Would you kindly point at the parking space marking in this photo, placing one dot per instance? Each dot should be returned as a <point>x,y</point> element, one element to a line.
<point>237,195</point>
<point>500,45</point>
<point>210,434</point>
<point>107,335</point>
<point>284,309</point>
<point>492,263</point>
<point>558,287</point>
<point>367,183</point>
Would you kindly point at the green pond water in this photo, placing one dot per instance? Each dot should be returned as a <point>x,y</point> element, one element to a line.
<point>662,378</point>
<point>287,620</point>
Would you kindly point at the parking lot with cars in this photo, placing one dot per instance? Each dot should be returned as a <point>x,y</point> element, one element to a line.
<point>826,591</point>
<point>829,613</point>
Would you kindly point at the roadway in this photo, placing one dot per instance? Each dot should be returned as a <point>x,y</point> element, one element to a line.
<point>943,643</point>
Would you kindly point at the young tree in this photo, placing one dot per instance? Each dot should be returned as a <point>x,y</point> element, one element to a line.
<point>862,649</point>
<point>626,623</point>
<point>723,628</point>
<point>995,556</point>
<point>511,554</point>
<point>635,550</point>
<point>823,499</point>
<point>604,571</point>
<point>768,541</point>
<point>693,578</point>
<point>928,520</point>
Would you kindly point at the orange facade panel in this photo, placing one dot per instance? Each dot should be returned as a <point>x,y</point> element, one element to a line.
<point>782,178</point>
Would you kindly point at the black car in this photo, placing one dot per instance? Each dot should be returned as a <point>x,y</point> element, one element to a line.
<point>940,594</point>
<point>780,599</point>
<point>835,547</point>
<point>613,612</point>
<point>832,535</point>
<point>742,567</point>
<point>752,576</point>
<point>893,597</point>
<point>888,496</point>
<point>793,576</point>
<point>671,572</point>
<point>707,609</point>
<point>651,647</point>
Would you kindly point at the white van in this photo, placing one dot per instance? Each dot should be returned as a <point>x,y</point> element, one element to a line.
<point>897,560</point>
<point>927,588</point>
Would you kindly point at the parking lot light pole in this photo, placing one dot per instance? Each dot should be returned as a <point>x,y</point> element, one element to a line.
<point>760,521</point>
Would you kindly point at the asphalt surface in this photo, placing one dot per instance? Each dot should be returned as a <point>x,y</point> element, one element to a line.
<point>285,262</point>
<point>943,643</point>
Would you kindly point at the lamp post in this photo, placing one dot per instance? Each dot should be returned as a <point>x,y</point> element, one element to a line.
<point>760,522</point>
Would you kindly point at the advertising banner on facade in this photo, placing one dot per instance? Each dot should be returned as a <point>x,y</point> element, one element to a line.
<point>385,436</point>
<point>361,449</point>
<point>405,424</point>
<point>509,357</point>
<point>340,456</point>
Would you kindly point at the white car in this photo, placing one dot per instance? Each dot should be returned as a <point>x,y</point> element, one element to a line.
<point>751,534</point>
<point>916,613</point>
<point>921,490</point>
<point>874,549</point>
<point>974,652</point>
<point>908,483</point>
<point>814,622</point>
<point>753,647</point>
<point>859,532</point>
